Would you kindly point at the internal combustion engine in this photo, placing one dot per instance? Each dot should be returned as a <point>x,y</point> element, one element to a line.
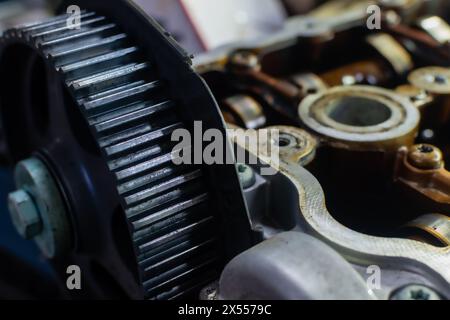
<point>229,150</point>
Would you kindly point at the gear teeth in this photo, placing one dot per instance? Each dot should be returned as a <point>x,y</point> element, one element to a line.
<point>161,266</point>
<point>141,139</point>
<point>100,62</point>
<point>133,158</point>
<point>65,30</point>
<point>147,179</point>
<point>144,167</point>
<point>131,113</point>
<point>165,213</point>
<point>128,110</point>
<point>77,36</point>
<point>118,96</point>
<point>107,79</point>
<point>130,133</point>
<point>147,261</point>
<point>178,274</point>
<point>166,185</point>
<point>72,53</point>
<point>176,234</point>
<point>51,22</point>
<point>165,227</point>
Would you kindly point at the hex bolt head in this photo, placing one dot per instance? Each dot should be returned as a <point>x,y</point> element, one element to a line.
<point>246,175</point>
<point>24,214</point>
<point>415,292</point>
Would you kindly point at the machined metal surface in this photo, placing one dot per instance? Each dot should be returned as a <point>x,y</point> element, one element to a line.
<point>276,269</point>
<point>364,117</point>
<point>357,247</point>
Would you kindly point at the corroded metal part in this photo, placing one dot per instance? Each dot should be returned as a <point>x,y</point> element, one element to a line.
<point>361,117</point>
<point>426,157</point>
<point>421,168</point>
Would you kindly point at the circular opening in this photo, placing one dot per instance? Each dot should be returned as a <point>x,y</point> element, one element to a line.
<point>311,90</point>
<point>358,111</point>
<point>284,142</point>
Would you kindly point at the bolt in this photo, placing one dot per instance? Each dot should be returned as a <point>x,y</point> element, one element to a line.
<point>24,214</point>
<point>415,292</point>
<point>426,157</point>
<point>37,209</point>
<point>245,60</point>
<point>246,175</point>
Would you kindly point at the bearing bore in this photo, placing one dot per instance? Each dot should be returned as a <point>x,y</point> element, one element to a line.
<point>361,117</point>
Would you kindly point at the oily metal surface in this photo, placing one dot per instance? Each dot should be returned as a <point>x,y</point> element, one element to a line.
<point>358,248</point>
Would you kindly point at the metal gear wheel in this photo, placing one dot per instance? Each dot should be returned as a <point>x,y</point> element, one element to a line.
<point>106,83</point>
